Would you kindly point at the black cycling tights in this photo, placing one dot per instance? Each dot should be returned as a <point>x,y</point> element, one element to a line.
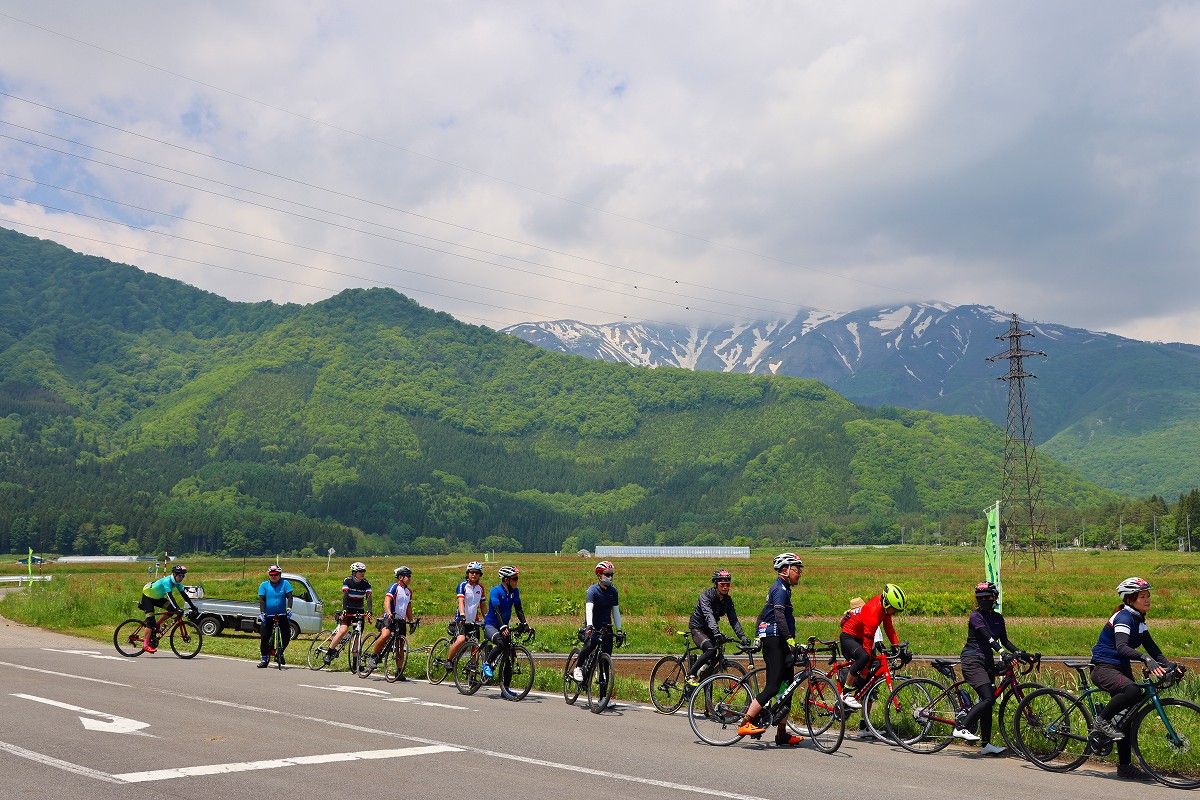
<point>707,651</point>
<point>981,712</point>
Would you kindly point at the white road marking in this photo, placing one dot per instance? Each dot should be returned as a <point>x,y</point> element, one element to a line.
<point>57,763</point>
<point>114,724</point>
<point>682,787</point>
<point>367,691</point>
<point>296,761</point>
<point>88,653</point>
<point>419,702</point>
<point>62,674</point>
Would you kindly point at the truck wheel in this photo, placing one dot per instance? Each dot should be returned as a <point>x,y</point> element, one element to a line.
<point>211,626</point>
<point>295,630</point>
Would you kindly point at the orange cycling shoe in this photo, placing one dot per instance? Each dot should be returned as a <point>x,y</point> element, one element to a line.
<point>748,728</point>
<point>788,741</point>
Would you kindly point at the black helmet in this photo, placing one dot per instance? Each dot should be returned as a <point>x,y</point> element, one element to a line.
<point>722,576</point>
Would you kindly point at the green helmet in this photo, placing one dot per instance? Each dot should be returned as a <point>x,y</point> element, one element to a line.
<point>892,597</point>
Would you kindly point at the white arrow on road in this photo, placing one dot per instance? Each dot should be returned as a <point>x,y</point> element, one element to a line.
<point>88,653</point>
<point>366,691</point>
<point>114,724</point>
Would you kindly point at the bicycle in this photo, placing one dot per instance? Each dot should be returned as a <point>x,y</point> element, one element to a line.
<point>1056,733</point>
<point>437,665</point>
<point>668,680</point>
<point>353,642</point>
<point>873,693</point>
<point>598,675</point>
<point>394,655</point>
<point>131,636</point>
<point>922,713</point>
<point>514,670</point>
<point>718,705</point>
<point>276,651</point>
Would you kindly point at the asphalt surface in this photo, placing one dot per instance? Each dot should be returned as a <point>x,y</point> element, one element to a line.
<point>78,719</point>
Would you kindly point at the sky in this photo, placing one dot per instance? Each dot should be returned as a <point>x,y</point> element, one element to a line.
<point>693,163</point>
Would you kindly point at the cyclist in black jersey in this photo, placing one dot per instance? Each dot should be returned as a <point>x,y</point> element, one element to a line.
<point>714,602</point>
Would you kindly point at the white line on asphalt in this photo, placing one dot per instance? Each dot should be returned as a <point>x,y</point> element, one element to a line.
<point>683,787</point>
<point>249,766</point>
<point>88,653</point>
<point>115,724</point>
<point>367,691</point>
<point>62,674</point>
<point>50,761</point>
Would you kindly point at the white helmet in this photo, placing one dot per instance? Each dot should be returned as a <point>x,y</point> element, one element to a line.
<point>358,566</point>
<point>1132,586</point>
<point>784,560</point>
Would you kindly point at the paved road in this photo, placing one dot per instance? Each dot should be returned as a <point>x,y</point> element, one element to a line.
<point>80,720</point>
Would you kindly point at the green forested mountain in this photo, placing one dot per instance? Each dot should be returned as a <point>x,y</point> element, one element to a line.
<point>137,412</point>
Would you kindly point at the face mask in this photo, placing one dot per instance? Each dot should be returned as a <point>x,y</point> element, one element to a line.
<point>605,580</point>
<point>986,603</point>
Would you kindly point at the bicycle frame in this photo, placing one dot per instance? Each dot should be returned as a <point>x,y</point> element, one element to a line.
<point>957,689</point>
<point>879,669</point>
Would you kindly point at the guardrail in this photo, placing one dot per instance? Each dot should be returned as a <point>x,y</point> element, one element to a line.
<point>20,580</point>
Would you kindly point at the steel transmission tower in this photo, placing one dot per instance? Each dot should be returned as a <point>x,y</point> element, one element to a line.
<point>1023,528</point>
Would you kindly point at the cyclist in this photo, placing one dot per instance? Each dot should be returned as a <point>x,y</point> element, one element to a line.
<point>356,602</point>
<point>600,609</point>
<point>713,603</point>
<point>986,633</point>
<point>397,613</point>
<point>858,634</point>
<point>502,601</point>
<point>1113,657</point>
<point>274,597</point>
<point>157,594</point>
<point>470,597</point>
<point>777,632</point>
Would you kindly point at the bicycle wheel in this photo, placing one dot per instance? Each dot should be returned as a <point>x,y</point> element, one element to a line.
<point>874,704</point>
<point>318,648</point>
<point>717,706</point>
<point>1171,759</point>
<point>919,715</point>
<point>186,639</point>
<point>667,685</point>
<point>571,687</point>
<point>129,638</point>
<point>393,658</point>
<point>277,643</point>
<point>364,650</point>
<point>823,714</point>
<point>600,683</point>
<point>467,670</point>
<point>436,665</point>
<point>1052,727</point>
<point>516,674</point>
<point>1008,707</point>
<point>354,651</point>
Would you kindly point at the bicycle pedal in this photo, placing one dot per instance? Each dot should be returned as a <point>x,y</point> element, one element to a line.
<point>756,735</point>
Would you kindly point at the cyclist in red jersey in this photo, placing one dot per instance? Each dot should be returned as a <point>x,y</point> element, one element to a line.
<point>858,634</point>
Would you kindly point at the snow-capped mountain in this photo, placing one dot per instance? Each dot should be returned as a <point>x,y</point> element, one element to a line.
<point>1091,386</point>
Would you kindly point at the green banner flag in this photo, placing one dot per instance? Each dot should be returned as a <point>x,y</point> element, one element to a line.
<point>991,552</point>
<point>29,564</point>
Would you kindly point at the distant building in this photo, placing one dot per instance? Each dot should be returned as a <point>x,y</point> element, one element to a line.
<point>630,551</point>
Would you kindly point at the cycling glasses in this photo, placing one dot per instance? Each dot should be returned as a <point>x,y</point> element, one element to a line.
<point>607,574</point>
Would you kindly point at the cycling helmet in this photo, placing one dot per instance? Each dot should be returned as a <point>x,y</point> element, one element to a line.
<point>892,597</point>
<point>605,566</point>
<point>722,576</point>
<point>403,571</point>
<point>986,589</point>
<point>358,566</point>
<point>274,570</point>
<point>179,570</point>
<point>475,566</point>
<point>508,572</point>
<point>1131,586</point>
<point>785,560</point>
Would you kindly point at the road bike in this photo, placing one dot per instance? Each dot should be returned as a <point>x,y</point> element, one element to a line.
<point>131,636</point>
<point>872,693</point>
<point>718,705</point>
<point>1056,732</point>
<point>354,643</point>
<point>392,659</point>
<point>513,670</point>
<point>922,713</point>
<point>276,651</point>
<point>668,681</point>
<point>437,664</point>
<point>598,674</point>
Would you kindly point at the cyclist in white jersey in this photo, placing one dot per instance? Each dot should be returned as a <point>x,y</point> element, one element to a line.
<point>397,612</point>
<point>470,607</point>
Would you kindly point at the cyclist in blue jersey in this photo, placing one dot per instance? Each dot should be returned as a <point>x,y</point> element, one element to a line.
<point>157,594</point>
<point>468,612</point>
<point>601,611</point>
<point>1113,657</point>
<point>356,602</point>
<point>274,597</point>
<point>777,633</point>
<point>503,600</point>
